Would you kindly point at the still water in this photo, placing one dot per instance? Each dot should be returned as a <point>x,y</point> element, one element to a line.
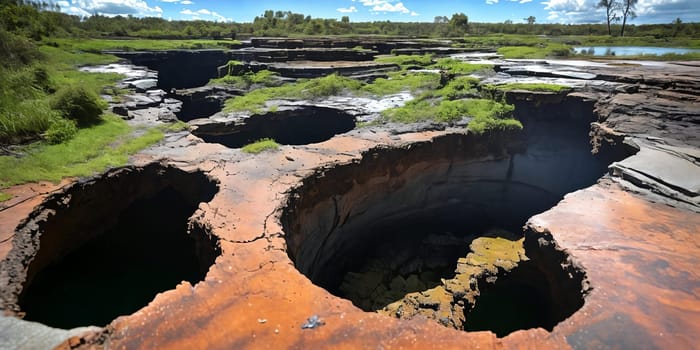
<point>631,50</point>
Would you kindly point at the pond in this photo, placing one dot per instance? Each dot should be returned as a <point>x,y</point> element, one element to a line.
<point>631,50</point>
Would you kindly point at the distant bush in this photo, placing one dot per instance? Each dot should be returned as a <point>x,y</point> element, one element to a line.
<point>79,104</point>
<point>60,130</point>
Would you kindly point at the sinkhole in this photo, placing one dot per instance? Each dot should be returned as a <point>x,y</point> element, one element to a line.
<point>400,230</point>
<point>293,126</point>
<point>104,248</point>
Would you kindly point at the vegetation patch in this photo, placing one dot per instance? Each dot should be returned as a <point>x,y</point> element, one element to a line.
<point>459,87</point>
<point>454,66</point>
<point>407,60</point>
<point>91,150</point>
<point>538,51</point>
<point>403,81</point>
<point>329,85</point>
<point>260,146</point>
<point>247,80</point>
<point>96,46</point>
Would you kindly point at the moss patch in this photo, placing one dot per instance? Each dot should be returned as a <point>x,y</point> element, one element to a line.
<point>260,146</point>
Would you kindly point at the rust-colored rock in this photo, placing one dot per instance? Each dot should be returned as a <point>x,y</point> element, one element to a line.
<point>638,247</point>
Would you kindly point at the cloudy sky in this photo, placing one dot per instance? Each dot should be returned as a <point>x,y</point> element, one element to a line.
<point>546,11</point>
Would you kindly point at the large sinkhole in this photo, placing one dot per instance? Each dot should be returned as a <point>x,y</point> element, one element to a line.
<point>105,247</point>
<point>292,126</point>
<point>400,230</point>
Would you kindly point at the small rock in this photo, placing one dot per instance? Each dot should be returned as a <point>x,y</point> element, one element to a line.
<point>312,322</point>
<point>120,110</point>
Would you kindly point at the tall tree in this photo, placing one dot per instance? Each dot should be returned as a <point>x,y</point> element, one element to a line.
<point>611,7</point>
<point>627,12</point>
<point>530,20</point>
<point>459,22</point>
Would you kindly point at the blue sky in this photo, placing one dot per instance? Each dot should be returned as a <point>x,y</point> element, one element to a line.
<point>546,11</point>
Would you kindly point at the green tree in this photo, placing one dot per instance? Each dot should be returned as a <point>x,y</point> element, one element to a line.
<point>677,26</point>
<point>611,7</point>
<point>628,7</point>
<point>459,23</point>
<point>530,20</point>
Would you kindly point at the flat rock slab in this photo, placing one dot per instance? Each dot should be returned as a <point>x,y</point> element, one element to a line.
<point>641,259</point>
<point>32,335</point>
<point>667,168</point>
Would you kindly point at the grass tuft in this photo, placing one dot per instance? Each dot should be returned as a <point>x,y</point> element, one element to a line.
<point>260,146</point>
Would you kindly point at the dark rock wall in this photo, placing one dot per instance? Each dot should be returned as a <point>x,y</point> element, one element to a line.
<point>295,126</point>
<point>178,69</point>
<point>68,220</point>
<point>465,182</point>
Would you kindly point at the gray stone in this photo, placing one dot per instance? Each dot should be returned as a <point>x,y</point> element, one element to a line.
<point>142,85</point>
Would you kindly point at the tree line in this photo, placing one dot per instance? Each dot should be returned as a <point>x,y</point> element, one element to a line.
<point>42,19</point>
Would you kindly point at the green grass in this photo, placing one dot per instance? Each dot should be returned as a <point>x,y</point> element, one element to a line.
<point>5,196</point>
<point>454,66</point>
<point>247,80</point>
<point>260,146</point>
<point>528,87</point>
<point>98,45</point>
<point>402,81</point>
<point>407,60</point>
<point>538,51</point>
<point>92,150</point>
<point>498,40</point>
<point>487,114</point>
<point>459,87</point>
<point>25,111</point>
<point>329,85</point>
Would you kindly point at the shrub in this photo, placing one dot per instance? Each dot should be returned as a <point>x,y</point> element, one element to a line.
<point>79,104</point>
<point>23,121</point>
<point>60,130</point>
<point>260,146</point>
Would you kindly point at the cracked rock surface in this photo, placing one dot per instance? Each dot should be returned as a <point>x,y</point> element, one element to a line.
<point>634,233</point>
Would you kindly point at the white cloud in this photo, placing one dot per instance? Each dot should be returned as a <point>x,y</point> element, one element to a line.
<point>114,8</point>
<point>491,2</point>
<point>206,15</point>
<point>524,1</point>
<point>377,6</point>
<point>387,7</point>
<point>347,10</point>
<point>414,13</point>
<point>186,2</point>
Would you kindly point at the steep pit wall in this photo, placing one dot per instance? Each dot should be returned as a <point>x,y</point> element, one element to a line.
<point>457,184</point>
<point>290,126</point>
<point>105,247</point>
<point>179,69</point>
